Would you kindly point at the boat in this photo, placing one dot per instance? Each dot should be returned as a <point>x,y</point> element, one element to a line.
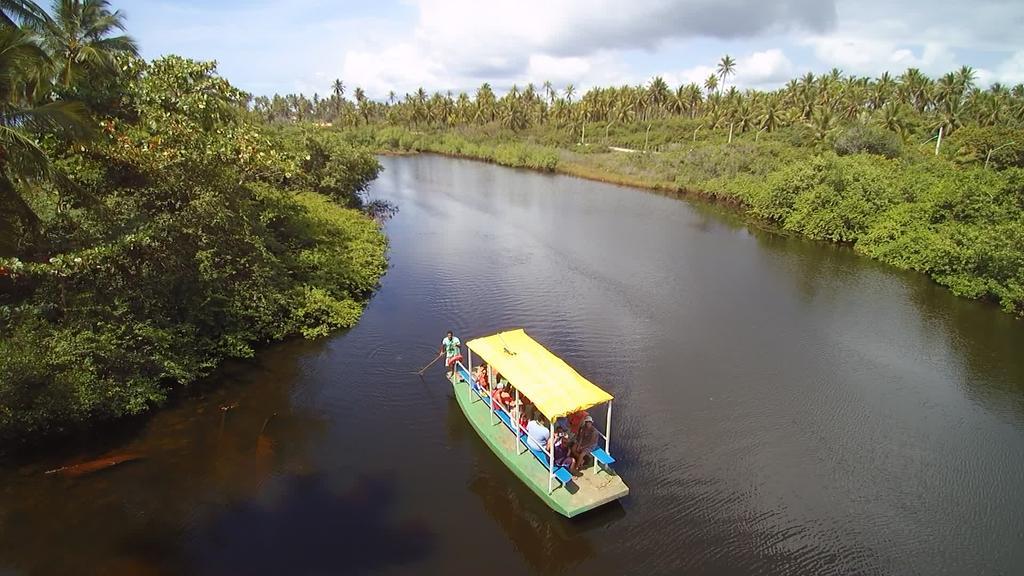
<point>557,391</point>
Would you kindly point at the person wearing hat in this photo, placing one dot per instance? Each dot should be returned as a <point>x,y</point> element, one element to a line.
<point>586,440</point>
<point>575,421</point>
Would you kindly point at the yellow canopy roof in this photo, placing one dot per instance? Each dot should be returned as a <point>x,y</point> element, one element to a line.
<point>551,384</point>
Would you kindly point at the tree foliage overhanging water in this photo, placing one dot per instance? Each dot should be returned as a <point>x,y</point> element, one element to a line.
<point>925,174</point>
<point>149,229</point>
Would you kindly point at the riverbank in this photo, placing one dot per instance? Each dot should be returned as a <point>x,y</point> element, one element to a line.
<point>963,226</point>
<point>184,235</point>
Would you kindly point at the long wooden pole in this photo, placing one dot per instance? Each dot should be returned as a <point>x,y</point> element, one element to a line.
<point>420,372</point>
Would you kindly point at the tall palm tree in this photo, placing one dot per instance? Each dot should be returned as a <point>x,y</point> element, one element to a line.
<point>81,40</point>
<point>21,157</point>
<point>22,12</point>
<point>771,114</point>
<point>658,95</point>
<point>726,68</point>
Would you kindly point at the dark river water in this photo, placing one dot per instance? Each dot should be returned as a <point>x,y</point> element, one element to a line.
<point>782,407</point>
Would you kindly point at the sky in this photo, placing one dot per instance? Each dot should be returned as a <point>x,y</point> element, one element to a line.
<point>285,46</point>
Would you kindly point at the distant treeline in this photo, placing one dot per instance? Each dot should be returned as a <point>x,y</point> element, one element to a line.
<point>911,106</point>
<point>925,174</point>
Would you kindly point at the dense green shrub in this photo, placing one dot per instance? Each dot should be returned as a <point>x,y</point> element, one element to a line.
<point>862,138</point>
<point>176,240</point>
<point>1001,146</point>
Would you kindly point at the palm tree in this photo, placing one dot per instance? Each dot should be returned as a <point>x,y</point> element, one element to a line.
<point>691,98</point>
<point>338,87</point>
<point>485,103</point>
<point>771,114</point>
<point>711,84</point>
<point>658,94</point>
<point>965,78</point>
<point>21,157</point>
<point>569,91</point>
<point>893,118</point>
<point>822,123</point>
<point>22,12</point>
<point>80,40</point>
<point>726,68</point>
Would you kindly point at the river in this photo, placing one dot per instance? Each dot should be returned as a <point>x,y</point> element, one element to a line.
<point>782,407</point>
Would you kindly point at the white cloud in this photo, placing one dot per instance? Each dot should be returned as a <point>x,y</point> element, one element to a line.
<point>1011,70</point>
<point>457,44</point>
<point>770,67</point>
<point>302,45</point>
<point>861,55</point>
<point>873,36</point>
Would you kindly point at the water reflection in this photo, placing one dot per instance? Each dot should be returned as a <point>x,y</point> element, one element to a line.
<point>303,527</point>
<point>134,518</point>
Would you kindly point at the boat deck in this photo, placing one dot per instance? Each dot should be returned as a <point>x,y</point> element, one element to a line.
<point>595,486</point>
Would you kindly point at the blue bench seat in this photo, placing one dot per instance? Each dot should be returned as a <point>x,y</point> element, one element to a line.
<point>601,456</point>
<point>563,475</point>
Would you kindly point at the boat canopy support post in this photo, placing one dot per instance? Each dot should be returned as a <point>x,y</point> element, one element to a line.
<point>608,430</point>
<point>469,368</point>
<point>516,417</point>
<point>490,384</point>
<point>551,454</point>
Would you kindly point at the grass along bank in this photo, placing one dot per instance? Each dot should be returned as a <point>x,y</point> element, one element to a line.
<point>947,216</point>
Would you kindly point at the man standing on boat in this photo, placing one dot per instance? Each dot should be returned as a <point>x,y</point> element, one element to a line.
<point>451,347</point>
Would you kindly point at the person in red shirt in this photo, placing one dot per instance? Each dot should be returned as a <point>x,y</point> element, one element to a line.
<point>502,396</point>
<point>480,376</point>
<point>575,419</point>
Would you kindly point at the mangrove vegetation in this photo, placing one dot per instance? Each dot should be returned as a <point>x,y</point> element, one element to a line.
<point>149,227</point>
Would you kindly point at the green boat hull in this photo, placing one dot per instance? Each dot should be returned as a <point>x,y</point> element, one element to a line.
<point>595,486</point>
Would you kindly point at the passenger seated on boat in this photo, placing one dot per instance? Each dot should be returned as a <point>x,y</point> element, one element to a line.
<point>524,413</point>
<point>563,449</point>
<point>502,395</point>
<point>480,376</point>
<point>561,422</point>
<point>586,441</point>
<point>575,420</point>
<point>537,433</point>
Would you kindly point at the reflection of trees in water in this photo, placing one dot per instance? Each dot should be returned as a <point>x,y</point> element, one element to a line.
<point>986,340</point>
<point>134,518</point>
<point>818,267</point>
<point>989,341</point>
<point>308,529</point>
